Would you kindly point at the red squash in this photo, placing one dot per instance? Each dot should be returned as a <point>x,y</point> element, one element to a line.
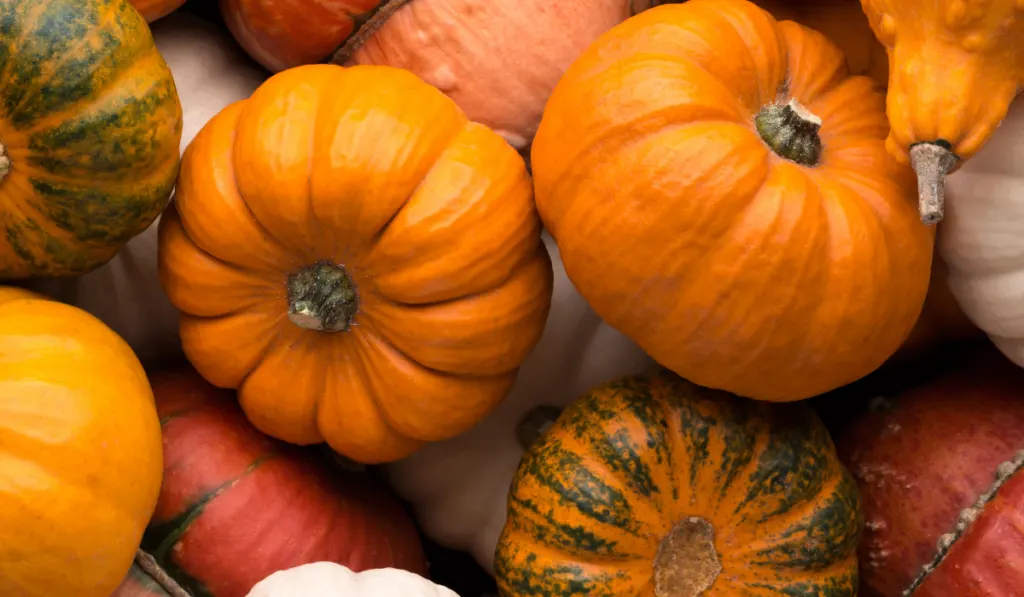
<point>236,505</point>
<point>941,491</point>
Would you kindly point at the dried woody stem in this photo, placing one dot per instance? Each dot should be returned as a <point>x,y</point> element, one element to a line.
<point>150,567</point>
<point>366,30</point>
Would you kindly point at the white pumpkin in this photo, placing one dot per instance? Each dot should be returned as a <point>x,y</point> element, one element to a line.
<point>981,237</point>
<point>210,72</point>
<point>327,579</point>
<point>458,488</point>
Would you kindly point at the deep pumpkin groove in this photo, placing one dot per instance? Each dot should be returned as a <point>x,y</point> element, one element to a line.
<point>1004,472</point>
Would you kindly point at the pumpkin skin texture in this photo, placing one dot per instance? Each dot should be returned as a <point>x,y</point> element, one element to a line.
<point>210,71</point>
<point>734,266</point>
<point>922,460</point>
<point>843,22</point>
<point>151,10</point>
<point>80,457</point>
<point>603,494</point>
<point>458,488</point>
<point>955,67</point>
<point>980,236</point>
<point>231,494</point>
<point>89,128</point>
<point>324,579</point>
<point>437,293</point>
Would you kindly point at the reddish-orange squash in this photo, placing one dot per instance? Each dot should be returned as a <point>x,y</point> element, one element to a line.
<point>237,506</point>
<point>361,261</point>
<point>955,67</point>
<point>720,192</point>
<point>939,471</point>
<point>152,10</point>
<point>498,59</point>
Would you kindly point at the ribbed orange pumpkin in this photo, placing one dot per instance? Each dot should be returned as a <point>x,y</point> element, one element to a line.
<point>720,192</point>
<point>358,259</point>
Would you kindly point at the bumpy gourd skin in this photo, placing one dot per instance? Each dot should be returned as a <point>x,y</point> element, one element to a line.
<point>954,68</point>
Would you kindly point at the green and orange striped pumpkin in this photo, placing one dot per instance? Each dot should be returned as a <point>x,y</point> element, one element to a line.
<point>237,506</point>
<point>655,487</point>
<point>90,124</point>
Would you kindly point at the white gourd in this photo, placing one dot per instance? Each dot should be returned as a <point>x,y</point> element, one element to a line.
<point>210,72</point>
<point>981,237</point>
<point>327,579</point>
<point>459,488</point>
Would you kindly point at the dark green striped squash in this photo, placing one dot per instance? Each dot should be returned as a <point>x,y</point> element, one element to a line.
<point>236,506</point>
<point>655,487</point>
<point>90,125</point>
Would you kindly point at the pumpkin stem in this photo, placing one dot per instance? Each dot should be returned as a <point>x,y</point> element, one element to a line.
<point>791,131</point>
<point>150,567</point>
<point>322,297</point>
<point>932,162</point>
<point>534,423</point>
<point>687,564</point>
<point>366,26</point>
<point>5,162</point>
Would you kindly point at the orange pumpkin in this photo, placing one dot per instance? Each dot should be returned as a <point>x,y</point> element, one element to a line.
<point>152,10</point>
<point>358,259</point>
<point>80,451</point>
<point>719,191</point>
<point>955,67</point>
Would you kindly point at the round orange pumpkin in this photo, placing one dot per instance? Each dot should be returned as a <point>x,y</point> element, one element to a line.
<point>80,451</point>
<point>654,487</point>
<point>719,191</point>
<point>358,259</point>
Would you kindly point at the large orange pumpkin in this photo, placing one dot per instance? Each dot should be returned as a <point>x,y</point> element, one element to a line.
<point>358,259</point>
<point>80,452</point>
<point>720,192</point>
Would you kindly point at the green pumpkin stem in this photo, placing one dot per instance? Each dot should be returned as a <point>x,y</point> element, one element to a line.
<point>5,162</point>
<point>322,297</point>
<point>932,162</point>
<point>687,564</point>
<point>365,26</point>
<point>150,567</point>
<point>534,423</point>
<point>791,131</point>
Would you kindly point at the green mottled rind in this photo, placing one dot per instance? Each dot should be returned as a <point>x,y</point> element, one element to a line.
<point>593,497</point>
<point>91,119</point>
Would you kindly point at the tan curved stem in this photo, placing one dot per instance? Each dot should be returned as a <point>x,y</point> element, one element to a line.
<point>366,31</point>
<point>932,162</point>
<point>150,567</point>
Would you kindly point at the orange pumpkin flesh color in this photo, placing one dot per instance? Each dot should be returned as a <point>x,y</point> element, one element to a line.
<point>80,451</point>
<point>358,259</point>
<point>720,192</point>
<point>955,67</point>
